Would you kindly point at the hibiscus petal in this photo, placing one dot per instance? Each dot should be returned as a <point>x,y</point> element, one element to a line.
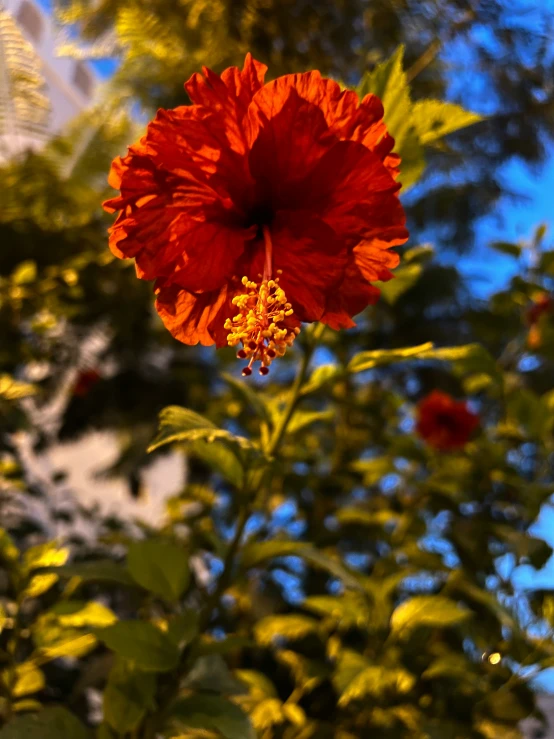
<point>312,260</point>
<point>352,296</point>
<point>173,221</point>
<point>188,316</point>
<point>356,195</point>
<point>219,95</point>
<point>289,138</point>
<point>347,117</point>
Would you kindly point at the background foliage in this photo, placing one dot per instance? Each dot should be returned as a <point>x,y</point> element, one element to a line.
<point>323,573</point>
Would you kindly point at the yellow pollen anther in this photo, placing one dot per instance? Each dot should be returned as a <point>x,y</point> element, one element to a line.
<point>258,326</point>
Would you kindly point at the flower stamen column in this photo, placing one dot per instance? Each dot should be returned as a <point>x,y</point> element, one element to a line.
<point>261,323</point>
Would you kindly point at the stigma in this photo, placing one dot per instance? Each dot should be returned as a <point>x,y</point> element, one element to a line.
<point>260,324</point>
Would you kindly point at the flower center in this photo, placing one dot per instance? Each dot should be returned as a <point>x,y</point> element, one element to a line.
<point>260,322</point>
<point>260,216</point>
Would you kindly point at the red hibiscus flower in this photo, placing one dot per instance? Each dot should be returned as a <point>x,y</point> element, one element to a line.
<point>86,380</point>
<point>259,207</point>
<point>443,422</point>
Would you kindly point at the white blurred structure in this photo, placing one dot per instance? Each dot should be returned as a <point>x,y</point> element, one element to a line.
<point>39,91</point>
<point>532,729</point>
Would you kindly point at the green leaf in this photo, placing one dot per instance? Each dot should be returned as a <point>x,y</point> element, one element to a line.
<point>506,705</point>
<point>128,696</point>
<point>321,376</point>
<point>435,119</point>
<point>377,357</point>
<point>303,419</point>
<point>404,278</point>
<point>467,359</point>
<point>418,254</point>
<point>346,611</point>
<point>98,571</point>
<point>360,517</point>
<point>232,643</point>
<point>506,247</point>
<point>160,566</point>
<point>210,673</point>
<point>250,397</point>
<point>479,596</point>
<point>388,81</point>
<point>142,644</point>
<point>530,413</point>
<point>349,665</point>
<point>546,263</point>
<point>435,611</point>
<point>373,470</point>
<point>212,712</point>
<point>178,424</point>
<point>9,553</point>
<point>256,553</point>
<point>24,273</point>
<point>183,628</point>
<point>50,723</point>
<point>288,626</point>
<point>451,665</point>
<point>222,458</point>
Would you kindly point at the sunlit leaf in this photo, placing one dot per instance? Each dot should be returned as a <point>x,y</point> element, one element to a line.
<point>28,679</point>
<point>435,611</point>
<point>388,81</point>
<point>259,685</point>
<point>290,627</point>
<point>346,611</point>
<point>435,119</point>
<point>302,419</point>
<point>377,681</point>
<point>24,272</point>
<point>320,377</point>
<point>377,357</point>
<point>11,389</point>
<point>405,277</point>
<point>181,425</point>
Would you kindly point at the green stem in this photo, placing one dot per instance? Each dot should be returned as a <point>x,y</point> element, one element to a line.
<point>249,497</point>
<point>281,428</point>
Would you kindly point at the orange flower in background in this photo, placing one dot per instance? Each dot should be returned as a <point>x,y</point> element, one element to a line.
<point>543,305</point>
<point>443,422</point>
<point>259,207</point>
